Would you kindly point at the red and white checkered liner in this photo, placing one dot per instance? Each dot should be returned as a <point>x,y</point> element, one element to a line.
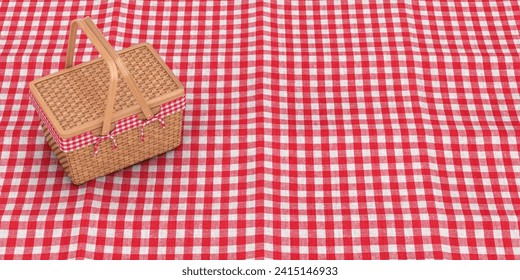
<point>131,122</point>
<point>314,130</point>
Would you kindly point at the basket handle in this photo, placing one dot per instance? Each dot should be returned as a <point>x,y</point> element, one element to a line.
<point>113,62</point>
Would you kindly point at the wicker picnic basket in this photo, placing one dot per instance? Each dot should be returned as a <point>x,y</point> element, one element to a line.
<point>112,112</point>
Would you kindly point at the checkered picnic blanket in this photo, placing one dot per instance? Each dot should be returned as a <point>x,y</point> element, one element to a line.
<point>313,130</point>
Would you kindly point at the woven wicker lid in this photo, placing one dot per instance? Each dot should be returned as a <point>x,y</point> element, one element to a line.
<point>74,99</point>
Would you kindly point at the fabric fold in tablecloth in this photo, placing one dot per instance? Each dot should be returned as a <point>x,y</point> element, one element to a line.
<point>313,130</point>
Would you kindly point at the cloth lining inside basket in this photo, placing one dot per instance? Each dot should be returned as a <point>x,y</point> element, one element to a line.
<point>85,139</point>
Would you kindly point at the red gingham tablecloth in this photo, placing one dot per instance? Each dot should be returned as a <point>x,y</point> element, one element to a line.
<point>313,130</point>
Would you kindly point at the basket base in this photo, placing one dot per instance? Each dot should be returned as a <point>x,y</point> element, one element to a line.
<point>82,165</point>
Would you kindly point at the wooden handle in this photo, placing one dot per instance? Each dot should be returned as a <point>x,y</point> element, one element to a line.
<point>113,62</point>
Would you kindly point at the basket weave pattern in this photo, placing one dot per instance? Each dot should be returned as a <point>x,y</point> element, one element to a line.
<point>89,85</point>
<point>110,113</point>
<point>81,165</point>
